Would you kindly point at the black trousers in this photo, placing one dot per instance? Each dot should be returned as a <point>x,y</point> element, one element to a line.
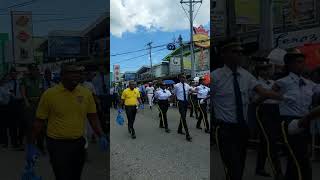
<point>270,133</point>
<point>17,123</point>
<point>194,105</point>
<point>67,158</point>
<point>183,108</point>
<point>232,140</point>
<point>203,114</point>
<point>103,116</point>
<point>299,146</point>
<point>4,124</point>
<point>163,108</point>
<point>131,112</point>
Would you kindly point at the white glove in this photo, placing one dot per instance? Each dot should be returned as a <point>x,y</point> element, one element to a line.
<point>202,101</point>
<point>293,127</point>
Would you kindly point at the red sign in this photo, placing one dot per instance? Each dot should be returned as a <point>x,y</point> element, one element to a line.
<point>23,36</point>
<point>312,54</point>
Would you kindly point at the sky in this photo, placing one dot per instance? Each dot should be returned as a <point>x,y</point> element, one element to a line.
<point>134,23</point>
<point>48,11</point>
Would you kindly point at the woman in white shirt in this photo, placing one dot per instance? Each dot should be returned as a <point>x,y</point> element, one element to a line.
<point>150,92</point>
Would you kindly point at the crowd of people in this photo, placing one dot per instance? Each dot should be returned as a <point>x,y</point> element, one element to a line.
<point>277,103</point>
<point>180,95</point>
<point>56,117</point>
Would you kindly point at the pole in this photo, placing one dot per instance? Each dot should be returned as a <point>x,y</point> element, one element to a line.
<point>191,39</point>
<point>151,69</point>
<point>191,4</point>
<point>266,33</point>
<point>181,54</point>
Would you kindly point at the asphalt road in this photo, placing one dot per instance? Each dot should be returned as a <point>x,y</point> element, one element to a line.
<point>12,163</point>
<point>156,155</point>
<point>249,172</point>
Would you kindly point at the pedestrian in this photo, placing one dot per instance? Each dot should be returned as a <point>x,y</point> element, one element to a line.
<point>202,97</point>
<point>65,107</point>
<point>181,91</point>
<point>130,98</point>
<point>100,84</point>
<point>300,91</point>
<point>47,80</point>
<point>193,100</point>
<point>269,125</point>
<point>32,88</point>
<point>231,86</point>
<point>16,110</point>
<point>4,102</point>
<point>163,96</point>
<point>150,93</point>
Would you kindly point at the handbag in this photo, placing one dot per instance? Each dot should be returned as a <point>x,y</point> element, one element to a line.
<point>120,119</point>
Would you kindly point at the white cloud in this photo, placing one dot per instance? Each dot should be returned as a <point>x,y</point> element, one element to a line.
<point>164,15</point>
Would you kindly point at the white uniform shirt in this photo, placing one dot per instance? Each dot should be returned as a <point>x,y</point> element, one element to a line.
<point>150,90</point>
<point>163,94</point>
<point>223,96</point>
<point>178,91</point>
<point>202,91</point>
<point>267,84</point>
<point>299,97</point>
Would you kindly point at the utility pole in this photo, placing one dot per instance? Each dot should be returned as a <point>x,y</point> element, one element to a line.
<point>181,54</point>
<point>191,4</point>
<point>150,47</point>
<point>266,33</point>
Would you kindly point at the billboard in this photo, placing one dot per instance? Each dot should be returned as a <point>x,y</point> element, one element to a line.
<point>130,76</point>
<point>68,46</point>
<point>116,73</point>
<point>247,11</point>
<point>22,33</point>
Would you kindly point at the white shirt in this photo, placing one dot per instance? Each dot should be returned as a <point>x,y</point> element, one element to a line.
<point>267,84</point>
<point>162,94</point>
<point>202,91</point>
<point>223,96</point>
<point>300,97</point>
<point>178,91</point>
<point>193,89</point>
<point>4,94</point>
<point>111,91</point>
<point>150,90</point>
<point>90,86</point>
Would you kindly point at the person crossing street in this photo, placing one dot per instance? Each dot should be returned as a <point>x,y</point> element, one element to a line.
<point>203,95</point>
<point>162,96</point>
<point>181,91</point>
<point>150,93</point>
<point>130,98</point>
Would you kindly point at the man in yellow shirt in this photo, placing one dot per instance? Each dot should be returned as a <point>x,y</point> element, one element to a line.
<point>130,98</point>
<point>65,107</point>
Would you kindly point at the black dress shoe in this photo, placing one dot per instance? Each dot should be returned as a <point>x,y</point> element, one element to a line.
<point>133,136</point>
<point>188,138</point>
<point>207,131</point>
<point>180,132</point>
<point>167,130</point>
<point>161,126</point>
<point>198,127</point>
<point>262,173</point>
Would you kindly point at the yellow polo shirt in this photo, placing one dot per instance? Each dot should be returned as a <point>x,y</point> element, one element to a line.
<point>130,97</point>
<point>66,111</point>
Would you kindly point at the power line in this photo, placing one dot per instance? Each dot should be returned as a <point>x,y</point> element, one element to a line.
<point>18,5</point>
<point>129,52</point>
<point>124,60</point>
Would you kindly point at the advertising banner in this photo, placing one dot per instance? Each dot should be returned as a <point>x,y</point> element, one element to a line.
<point>22,31</point>
<point>116,72</point>
<point>67,46</point>
<point>247,11</point>
<point>312,53</point>
<point>296,38</point>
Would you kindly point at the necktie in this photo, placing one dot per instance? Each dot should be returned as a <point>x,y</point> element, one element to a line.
<point>301,83</point>
<point>238,98</point>
<point>184,92</point>
<point>15,87</point>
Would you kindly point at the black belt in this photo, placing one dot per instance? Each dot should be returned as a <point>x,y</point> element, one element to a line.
<point>163,100</point>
